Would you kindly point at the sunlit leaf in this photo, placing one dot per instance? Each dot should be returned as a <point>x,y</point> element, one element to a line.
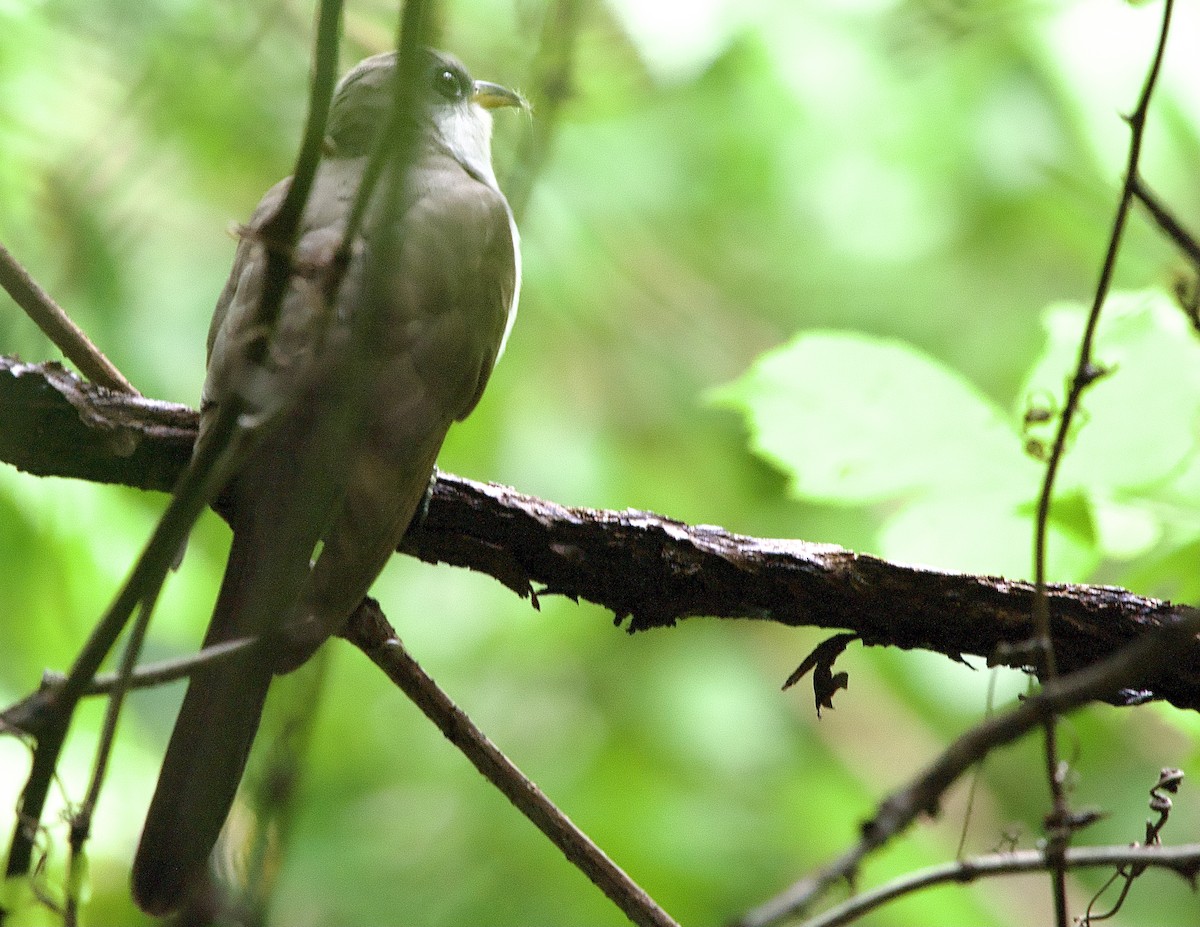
<point>1138,424</point>
<point>851,418</point>
<point>1125,531</point>
<point>986,533</point>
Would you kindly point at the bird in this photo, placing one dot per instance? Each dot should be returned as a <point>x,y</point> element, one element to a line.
<point>359,385</point>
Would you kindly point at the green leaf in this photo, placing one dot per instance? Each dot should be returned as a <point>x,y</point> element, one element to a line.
<point>853,419</point>
<point>1137,427</point>
<point>987,533</point>
<point>1124,531</point>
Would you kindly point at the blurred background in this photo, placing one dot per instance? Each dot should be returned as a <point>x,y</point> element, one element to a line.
<point>725,175</point>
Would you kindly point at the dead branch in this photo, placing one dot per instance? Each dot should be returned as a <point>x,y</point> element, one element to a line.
<point>648,569</point>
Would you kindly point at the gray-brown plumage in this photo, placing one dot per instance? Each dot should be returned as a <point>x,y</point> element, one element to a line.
<point>344,459</point>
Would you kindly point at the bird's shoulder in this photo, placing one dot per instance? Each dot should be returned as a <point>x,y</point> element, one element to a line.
<point>465,227</point>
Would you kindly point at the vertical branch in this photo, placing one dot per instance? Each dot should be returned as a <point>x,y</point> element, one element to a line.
<point>394,144</point>
<point>272,789</point>
<point>553,67</point>
<point>1087,371</point>
<point>279,233</point>
<point>373,215</point>
<point>81,821</point>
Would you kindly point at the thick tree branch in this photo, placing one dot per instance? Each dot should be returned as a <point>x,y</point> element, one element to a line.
<point>54,424</point>
<point>649,569</point>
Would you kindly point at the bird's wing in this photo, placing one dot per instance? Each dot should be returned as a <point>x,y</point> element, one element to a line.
<point>282,491</point>
<point>451,288</point>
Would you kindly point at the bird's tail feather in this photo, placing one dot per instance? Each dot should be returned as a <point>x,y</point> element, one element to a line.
<point>207,752</point>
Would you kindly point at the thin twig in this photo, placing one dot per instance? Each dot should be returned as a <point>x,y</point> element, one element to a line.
<point>272,790</point>
<point>150,675</point>
<point>48,720</point>
<point>58,326</point>
<point>393,146</point>
<point>1184,240</point>
<point>1169,780</point>
<point>1183,860</point>
<point>977,772</point>
<point>81,820</point>
<point>376,204</point>
<point>924,793</point>
<point>370,631</point>
<point>1086,373</point>
<point>281,230</point>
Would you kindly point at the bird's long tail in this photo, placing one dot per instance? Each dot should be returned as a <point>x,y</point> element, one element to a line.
<point>207,753</point>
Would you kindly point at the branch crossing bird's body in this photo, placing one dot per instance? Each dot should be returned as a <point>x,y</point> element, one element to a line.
<point>352,419</point>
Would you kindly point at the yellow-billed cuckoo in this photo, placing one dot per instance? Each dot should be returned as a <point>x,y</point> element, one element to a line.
<point>345,459</point>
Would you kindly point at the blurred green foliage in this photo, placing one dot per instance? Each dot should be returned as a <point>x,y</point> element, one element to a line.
<point>894,189</point>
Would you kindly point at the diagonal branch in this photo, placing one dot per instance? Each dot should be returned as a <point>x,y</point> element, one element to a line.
<point>58,326</point>
<point>370,631</point>
<point>924,793</point>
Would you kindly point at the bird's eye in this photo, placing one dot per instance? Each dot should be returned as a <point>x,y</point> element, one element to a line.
<point>448,84</point>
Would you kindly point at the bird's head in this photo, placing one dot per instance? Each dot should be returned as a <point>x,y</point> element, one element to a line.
<point>453,107</point>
